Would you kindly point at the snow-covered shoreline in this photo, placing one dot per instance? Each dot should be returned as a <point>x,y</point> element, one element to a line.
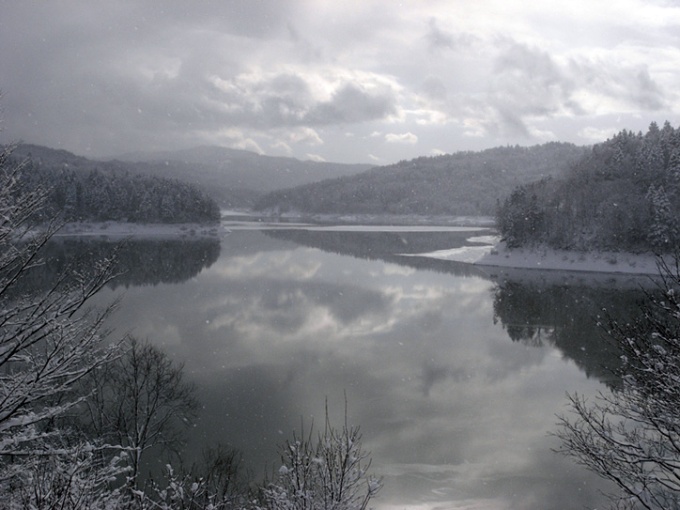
<point>545,258</point>
<point>488,251</point>
<point>499,255</point>
<point>123,229</point>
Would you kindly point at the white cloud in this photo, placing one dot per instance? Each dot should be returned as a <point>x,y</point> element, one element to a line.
<point>438,118</point>
<point>282,146</point>
<point>408,138</point>
<point>249,144</point>
<point>305,135</point>
<point>597,135</point>
<point>541,135</point>
<point>315,157</point>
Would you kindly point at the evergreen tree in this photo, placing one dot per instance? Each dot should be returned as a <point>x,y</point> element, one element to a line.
<point>663,233</point>
<point>623,195</point>
<point>98,195</point>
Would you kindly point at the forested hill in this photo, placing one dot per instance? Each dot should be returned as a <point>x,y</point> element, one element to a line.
<point>236,178</point>
<point>623,195</point>
<point>464,183</point>
<point>83,190</point>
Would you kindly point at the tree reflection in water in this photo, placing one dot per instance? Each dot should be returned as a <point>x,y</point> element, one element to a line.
<point>138,261</point>
<point>535,308</point>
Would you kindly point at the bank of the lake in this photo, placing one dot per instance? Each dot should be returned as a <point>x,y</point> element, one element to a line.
<point>361,219</point>
<point>486,251</point>
<point>499,255</point>
<point>129,229</point>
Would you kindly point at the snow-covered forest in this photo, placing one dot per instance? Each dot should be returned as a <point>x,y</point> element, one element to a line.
<point>623,195</point>
<point>464,183</point>
<point>94,194</point>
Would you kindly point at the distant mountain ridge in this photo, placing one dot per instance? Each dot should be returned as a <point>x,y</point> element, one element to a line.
<point>233,177</point>
<point>236,177</point>
<point>460,184</point>
<point>203,154</point>
<point>465,183</point>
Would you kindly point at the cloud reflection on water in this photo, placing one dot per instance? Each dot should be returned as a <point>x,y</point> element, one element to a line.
<point>455,414</point>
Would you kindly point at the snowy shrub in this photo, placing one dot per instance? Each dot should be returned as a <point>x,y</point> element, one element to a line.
<point>330,473</point>
<point>213,485</point>
<point>49,341</point>
<point>74,479</point>
<point>139,401</point>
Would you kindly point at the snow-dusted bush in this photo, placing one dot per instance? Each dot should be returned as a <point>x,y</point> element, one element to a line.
<point>329,473</point>
<point>78,478</point>
<point>49,340</point>
<point>209,490</point>
<point>139,401</point>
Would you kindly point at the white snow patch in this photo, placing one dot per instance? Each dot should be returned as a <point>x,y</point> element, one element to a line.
<point>467,254</point>
<point>484,239</point>
<point>546,258</point>
<point>495,253</point>
<point>499,255</point>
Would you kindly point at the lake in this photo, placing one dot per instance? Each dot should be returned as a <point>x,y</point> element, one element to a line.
<point>454,373</point>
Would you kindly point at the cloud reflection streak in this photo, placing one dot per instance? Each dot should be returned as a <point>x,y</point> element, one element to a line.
<point>455,414</point>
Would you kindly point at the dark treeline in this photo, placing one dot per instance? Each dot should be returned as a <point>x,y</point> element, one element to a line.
<point>464,183</point>
<point>86,192</point>
<point>623,195</point>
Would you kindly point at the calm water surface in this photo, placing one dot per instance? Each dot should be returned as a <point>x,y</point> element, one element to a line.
<point>455,374</point>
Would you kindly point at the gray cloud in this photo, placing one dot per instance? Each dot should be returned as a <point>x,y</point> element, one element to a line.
<point>439,39</point>
<point>139,84</point>
<point>633,86</point>
<point>529,82</point>
<point>526,83</point>
<point>647,93</point>
<point>352,104</point>
<point>101,78</point>
<point>434,89</point>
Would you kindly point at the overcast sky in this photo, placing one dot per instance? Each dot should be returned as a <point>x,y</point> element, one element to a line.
<point>372,81</point>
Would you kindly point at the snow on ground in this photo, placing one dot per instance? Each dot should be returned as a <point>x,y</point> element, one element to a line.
<point>545,258</point>
<point>466,254</point>
<point>495,254</point>
<point>483,239</point>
